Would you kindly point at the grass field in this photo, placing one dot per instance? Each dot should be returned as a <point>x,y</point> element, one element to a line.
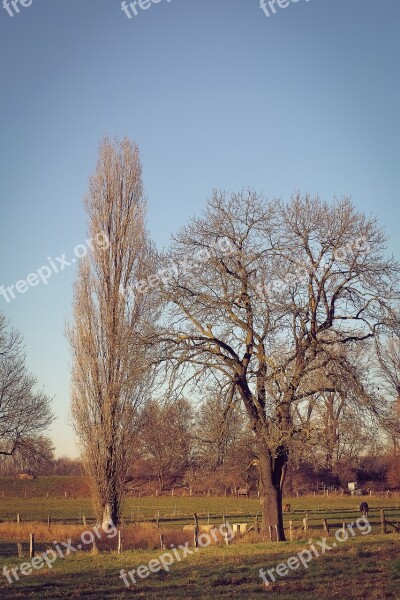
<point>179,510</point>
<point>365,566</point>
<point>360,568</point>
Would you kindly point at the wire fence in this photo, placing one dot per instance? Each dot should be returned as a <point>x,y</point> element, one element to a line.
<point>141,532</point>
<point>177,516</point>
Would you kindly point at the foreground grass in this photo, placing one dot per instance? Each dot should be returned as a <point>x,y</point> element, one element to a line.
<point>362,567</point>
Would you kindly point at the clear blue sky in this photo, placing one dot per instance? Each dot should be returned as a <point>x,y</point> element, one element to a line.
<point>216,95</point>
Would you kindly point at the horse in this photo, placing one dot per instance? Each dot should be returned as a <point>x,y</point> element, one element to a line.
<point>243,491</point>
<point>364,508</point>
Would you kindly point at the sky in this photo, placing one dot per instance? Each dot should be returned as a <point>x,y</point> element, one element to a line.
<point>216,94</point>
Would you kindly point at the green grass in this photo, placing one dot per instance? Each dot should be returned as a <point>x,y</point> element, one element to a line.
<point>363,567</point>
<point>178,511</point>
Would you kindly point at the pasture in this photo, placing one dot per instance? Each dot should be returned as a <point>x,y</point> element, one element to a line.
<point>178,510</point>
<point>362,566</point>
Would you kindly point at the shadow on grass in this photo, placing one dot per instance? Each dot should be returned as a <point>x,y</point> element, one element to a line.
<point>358,569</point>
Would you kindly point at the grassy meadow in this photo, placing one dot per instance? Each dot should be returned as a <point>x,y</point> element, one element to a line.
<point>365,566</point>
<point>360,568</point>
<point>178,510</point>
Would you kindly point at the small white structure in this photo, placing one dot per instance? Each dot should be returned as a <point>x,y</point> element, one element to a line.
<point>354,489</point>
<point>239,527</point>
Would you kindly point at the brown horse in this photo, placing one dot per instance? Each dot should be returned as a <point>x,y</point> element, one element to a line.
<point>243,491</point>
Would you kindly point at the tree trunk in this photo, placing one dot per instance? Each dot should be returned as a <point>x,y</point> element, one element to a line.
<point>110,516</point>
<point>271,481</point>
<point>161,481</point>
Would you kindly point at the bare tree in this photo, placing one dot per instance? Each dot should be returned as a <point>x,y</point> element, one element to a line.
<point>387,346</point>
<point>341,423</point>
<point>35,455</point>
<point>110,375</point>
<point>304,278</point>
<point>25,411</point>
<point>165,436</point>
<point>220,427</point>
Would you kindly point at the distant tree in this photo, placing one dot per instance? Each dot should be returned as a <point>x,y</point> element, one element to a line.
<point>340,424</point>
<point>165,434</point>
<point>67,466</point>
<point>25,411</point>
<point>220,425</point>
<point>393,470</point>
<point>34,456</point>
<point>387,346</point>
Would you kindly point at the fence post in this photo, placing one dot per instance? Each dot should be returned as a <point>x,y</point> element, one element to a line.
<point>119,550</point>
<point>326,526</point>
<point>18,518</point>
<point>94,546</point>
<point>305,524</point>
<point>196,531</point>
<point>19,550</point>
<point>256,525</point>
<point>224,522</point>
<point>48,521</point>
<point>31,545</point>
<point>383,522</point>
<point>225,536</point>
<point>291,531</point>
<point>162,545</point>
